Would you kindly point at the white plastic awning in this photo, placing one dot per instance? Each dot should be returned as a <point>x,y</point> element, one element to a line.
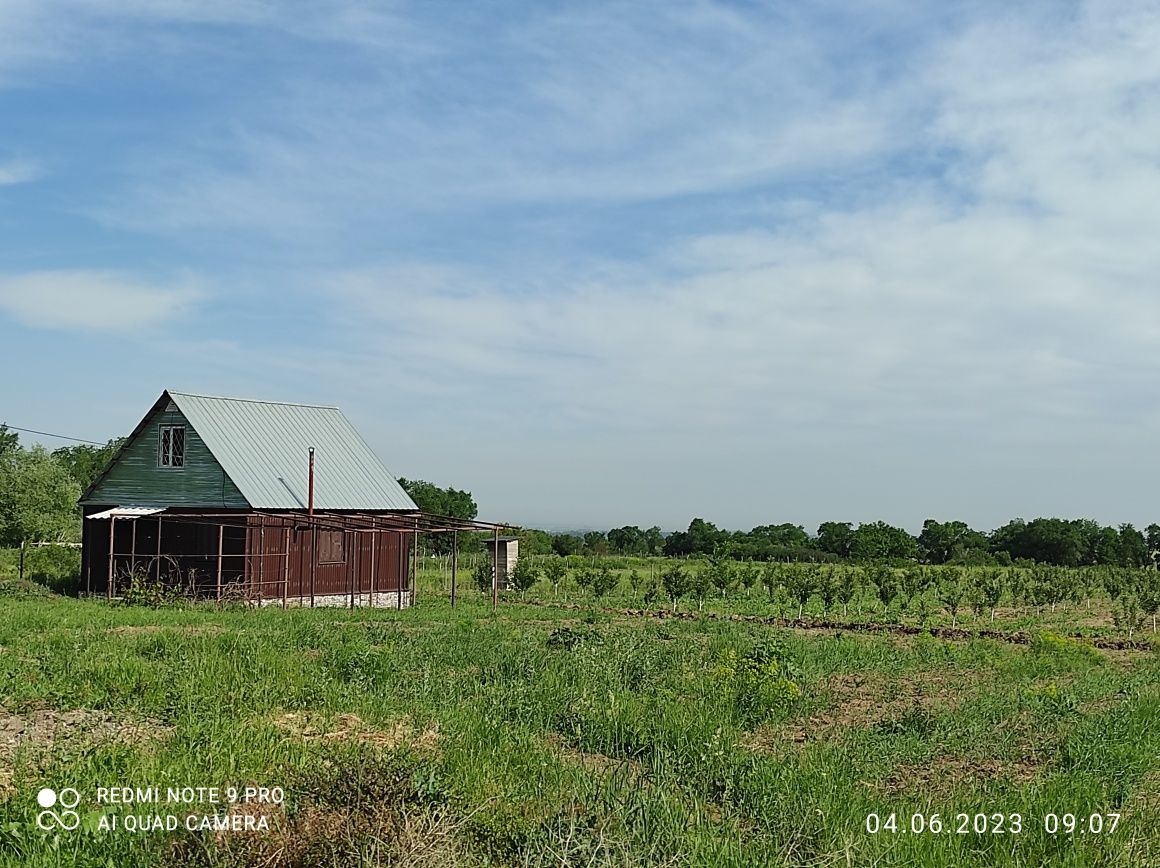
<point>127,512</point>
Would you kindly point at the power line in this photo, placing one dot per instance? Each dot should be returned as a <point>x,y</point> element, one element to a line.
<point>46,434</point>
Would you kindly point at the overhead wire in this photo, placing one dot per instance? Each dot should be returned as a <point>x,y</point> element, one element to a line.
<point>48,434</point>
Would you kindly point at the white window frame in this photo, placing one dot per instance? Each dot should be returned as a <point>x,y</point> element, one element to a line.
<point>164,455</point>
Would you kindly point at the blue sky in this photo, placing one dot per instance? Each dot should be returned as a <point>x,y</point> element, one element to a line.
<point>608,263</point>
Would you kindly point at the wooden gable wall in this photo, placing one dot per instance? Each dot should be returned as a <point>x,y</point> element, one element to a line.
<point>136,479</point>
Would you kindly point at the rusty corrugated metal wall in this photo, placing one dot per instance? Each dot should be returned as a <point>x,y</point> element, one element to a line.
<point>279,561</point>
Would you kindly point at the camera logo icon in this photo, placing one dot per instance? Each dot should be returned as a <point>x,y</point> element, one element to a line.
<point>66,819</point>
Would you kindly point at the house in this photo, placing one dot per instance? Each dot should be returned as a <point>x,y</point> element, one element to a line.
<point>264,501</point>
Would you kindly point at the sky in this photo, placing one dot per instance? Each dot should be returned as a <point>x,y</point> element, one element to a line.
<point>608,263</point>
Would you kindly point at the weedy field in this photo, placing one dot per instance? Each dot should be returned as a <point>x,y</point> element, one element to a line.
<point>547,736</point>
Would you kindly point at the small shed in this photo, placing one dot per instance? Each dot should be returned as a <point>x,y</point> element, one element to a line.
<point>504,552</point>
<point>269,501</point>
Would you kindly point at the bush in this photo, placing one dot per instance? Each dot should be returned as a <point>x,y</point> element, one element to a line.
<point>759,682</point>
<point>143,590</point>
<point>22,589</point>
<point>482,576</point>
<point>56,567</point>
<point>524,575</point>
<point>566,638</point>
<point>1051,700</point>
<point>599,580</point>
<point>1056,647</point>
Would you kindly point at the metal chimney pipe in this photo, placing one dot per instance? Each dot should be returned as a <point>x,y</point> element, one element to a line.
<point>310,495</point>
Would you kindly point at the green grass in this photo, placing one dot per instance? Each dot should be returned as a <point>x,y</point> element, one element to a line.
<point>537,736</point>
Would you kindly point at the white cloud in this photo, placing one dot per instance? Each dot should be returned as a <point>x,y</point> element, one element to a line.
<point>90,300</point>
<point>42,33</point>
<point>18,171</point>
<point>609,105</point>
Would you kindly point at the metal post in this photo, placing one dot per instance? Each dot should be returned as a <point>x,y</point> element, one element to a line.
<point>374,551</point>
<point>495,574</point>
<point>262,559</point>
<point>221,539</point>
<point>86,556</point>
<point>415,563</point>
<point>158,558</point>
<point>313,556</point>
<point>352,567</point>
<point>454,563</point>
<point>133,554</point>
<point>401,566</point>
<point>22,560</point>
<point>310,494</point>
<point>286,570</point>
<point>109,584</point>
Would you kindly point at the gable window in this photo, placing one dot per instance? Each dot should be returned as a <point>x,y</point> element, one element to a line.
<point>171,446</point>
<point>331,549</point>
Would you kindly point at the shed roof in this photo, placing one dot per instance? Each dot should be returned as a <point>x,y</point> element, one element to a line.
<point>263,447</point>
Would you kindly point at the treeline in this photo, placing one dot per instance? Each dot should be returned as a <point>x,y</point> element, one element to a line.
<point>1052,541</point>
<point>39,489</point>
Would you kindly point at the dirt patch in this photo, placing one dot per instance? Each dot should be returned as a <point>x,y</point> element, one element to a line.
<point>1145,798</point>
<point>323,835</point>
<point>314,727</point>
<point>859,700</point>
<point>326,835</point>
<point>37,735</point>
<point>593,762</point>
<point>948,773</point>
<point>150,629</point>
<point>1128,658</point>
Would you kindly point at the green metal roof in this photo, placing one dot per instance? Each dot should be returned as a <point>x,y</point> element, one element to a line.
<point>263,447</point>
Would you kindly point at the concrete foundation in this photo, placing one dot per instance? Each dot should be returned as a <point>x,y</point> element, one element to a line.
<point>378,600</point>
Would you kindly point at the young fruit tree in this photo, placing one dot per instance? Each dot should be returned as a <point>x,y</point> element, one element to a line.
<point>1078,590</point>
<point>800,582</point>
<point>749,576</point>
<point>987,591</point>
<point>827,588</point>
<point>555,569</point>
<point>675,583</point>
<point>847,588</point>
<point>524,575</point>
<point>1126,613</point>
<point>1148,592</point>
<point>951,592</point>
<point>923,606</point>
<point>602,580</point>
<point>584,577</point>
<point>721,575</point>
<point>887,584</point>
<point>651,592</point>
<point>699,585</point>
<point>482,576</point>
<point>634,581</point>
<point>1114,583</point>
<point>771,577</point>
<point>915,580</point>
